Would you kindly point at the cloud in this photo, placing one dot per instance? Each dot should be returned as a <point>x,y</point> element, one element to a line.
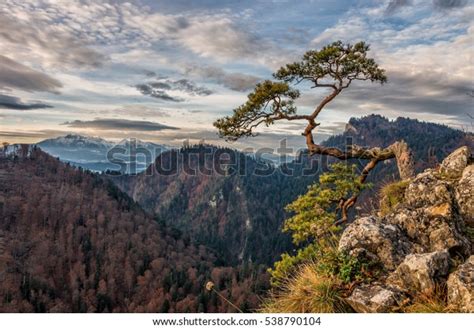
<point>234,81</point>
<point>63,33</point>
<point>160,89</point>
<point>15,134</point>
<point>153,90</point>
<point>449,4</point>
<point>36,33</point>
<point>119,124</point>
<point>188,87</point>
<point>15,103</point>
<point>137,110</point>
<point>219,38</point>
<point>18,76</point>
<point>417,94</point>
<point>394,5</point>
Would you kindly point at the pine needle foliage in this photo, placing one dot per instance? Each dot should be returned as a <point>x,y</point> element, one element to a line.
<point>314,229</point>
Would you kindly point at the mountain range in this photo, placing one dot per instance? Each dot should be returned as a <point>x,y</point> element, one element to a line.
<point>97,154</point>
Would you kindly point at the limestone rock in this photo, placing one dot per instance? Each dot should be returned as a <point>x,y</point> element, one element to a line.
<point>414,242</point>
<point>461,287</point>
<point>385,241</point>
<point>427,190</point>
<point>374,299</point>
<point>421,272</point>
<point>454,164</point>
<point>464,195</point>
<point>433,228</point>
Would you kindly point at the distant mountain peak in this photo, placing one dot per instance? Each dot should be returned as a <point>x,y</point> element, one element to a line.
<point>92,152</point>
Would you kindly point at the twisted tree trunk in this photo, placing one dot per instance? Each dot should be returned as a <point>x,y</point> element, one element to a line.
<point>398,150</point>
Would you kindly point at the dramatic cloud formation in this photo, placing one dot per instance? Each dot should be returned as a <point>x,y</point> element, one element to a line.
<point>17,76</point>
<point>15,103</point>
<point>119,124</point>
<point>195,61</point>
<point>159,89</point>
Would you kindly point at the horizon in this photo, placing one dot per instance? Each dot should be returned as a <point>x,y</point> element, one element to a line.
<point>185,142</point>
<point>163,72</point>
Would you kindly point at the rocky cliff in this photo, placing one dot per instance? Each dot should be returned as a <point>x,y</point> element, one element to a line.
<point>423,244</point>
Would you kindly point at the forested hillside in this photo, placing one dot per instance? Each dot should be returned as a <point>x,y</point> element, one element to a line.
<point>217,196</point>
<point>72,242</point>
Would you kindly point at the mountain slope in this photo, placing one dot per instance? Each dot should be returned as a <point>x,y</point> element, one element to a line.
<point>98,154</point>
<point>72,242</point>
<point>214,195</point>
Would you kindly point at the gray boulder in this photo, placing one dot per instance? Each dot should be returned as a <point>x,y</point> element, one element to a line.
<point>421,272</point>
<point>464,195</point>
<point>375,299</point>
<point>461,287</point>
<point>427,190</point>
<point>433,228</point>
<point>384,241</point>
<point>454,164</point>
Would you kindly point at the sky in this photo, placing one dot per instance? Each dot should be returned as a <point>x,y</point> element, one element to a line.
<point>163,71</point>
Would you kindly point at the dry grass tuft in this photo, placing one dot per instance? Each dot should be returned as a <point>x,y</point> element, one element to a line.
<point>391,195</point>
<point>308,292</point>
<point>432,302</point>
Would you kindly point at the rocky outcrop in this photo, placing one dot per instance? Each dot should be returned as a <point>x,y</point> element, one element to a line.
<point>432,228</point>
<point>461,287</point>
<point>375,298</point>
<point>383,242</point>
<point>463,195</point>
<point>454,164</point>
<point>420,241</point>
<point>421,272</point>
<point>427,189</point>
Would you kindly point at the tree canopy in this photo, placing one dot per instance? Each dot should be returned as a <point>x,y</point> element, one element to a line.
<point>335,66</point>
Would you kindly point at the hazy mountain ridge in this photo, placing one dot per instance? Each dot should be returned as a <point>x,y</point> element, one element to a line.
<point>98,154</point>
